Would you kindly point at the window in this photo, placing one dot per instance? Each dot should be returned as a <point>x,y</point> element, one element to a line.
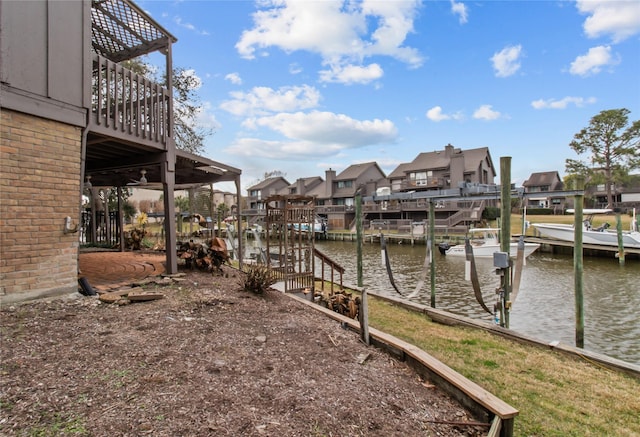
<point>345,184</point>
<point>419,178</point>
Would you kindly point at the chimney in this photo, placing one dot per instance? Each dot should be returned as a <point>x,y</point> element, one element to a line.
<point>300,187</point>
<point>330,175</point>
<point>448,150</point>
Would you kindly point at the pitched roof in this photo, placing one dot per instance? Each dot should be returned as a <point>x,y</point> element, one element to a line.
<point>308,182</point>
<point>441,159</point>
<point>267,183</point>
<point>356,170</point>
<point>550,178</point>
<point>399,171</point>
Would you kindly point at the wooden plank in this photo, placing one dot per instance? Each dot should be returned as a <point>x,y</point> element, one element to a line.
<point>473,391</point>
<point>144,296</point>
<point>470,388</point>
<point>496,425</point>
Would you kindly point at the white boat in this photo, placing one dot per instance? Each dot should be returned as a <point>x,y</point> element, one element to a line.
<point>485,241</point>
<point>601,235</point>
<point>319,226</point>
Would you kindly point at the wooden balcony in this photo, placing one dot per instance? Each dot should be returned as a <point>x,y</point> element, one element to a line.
<point>129,107</point>
<point>422,184</point>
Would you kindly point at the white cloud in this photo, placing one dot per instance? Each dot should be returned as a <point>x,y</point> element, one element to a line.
<point>507,61</point>
<point>189,26</point>
<point>342,33</point>
<point>593,61</point>
<point>314,134</point>
<point>350,74</point>
<point>562,103</point>
<point>436,114</point>
<point>460,9</point>
<point>485,112</point>
<point>206,118</point>
<point>264,100</point>
<point>295,68</point>
<point>328,127</point>
<point>621,19</point>
<point>234,78</point>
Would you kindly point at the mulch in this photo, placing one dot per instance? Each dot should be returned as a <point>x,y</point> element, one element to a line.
<point>207,359</point>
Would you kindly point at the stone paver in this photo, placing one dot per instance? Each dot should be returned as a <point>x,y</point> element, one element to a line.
<point>105,270</point>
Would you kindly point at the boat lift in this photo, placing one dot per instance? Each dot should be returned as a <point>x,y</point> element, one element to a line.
<point>502,261</point>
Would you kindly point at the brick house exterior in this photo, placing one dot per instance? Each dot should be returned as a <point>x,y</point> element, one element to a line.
<point>39,187</point>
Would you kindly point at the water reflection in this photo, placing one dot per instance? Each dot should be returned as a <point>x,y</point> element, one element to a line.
<point>545,305</point>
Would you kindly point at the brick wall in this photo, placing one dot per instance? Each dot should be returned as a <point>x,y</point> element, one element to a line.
<point>39,187</point>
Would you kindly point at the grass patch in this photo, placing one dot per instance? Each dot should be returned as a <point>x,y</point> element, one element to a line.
<point>60,425</point>
<point>557,395</point>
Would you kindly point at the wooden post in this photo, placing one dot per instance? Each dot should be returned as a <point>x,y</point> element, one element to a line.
<point>432,244</point>
<point>192,194</point>
<point>120,219</point>
<point>240,244</point>
<point>505,229</point>
<point>168,177</point>
<point>620,242</point>
<point>358,201</point>
<point>577,262</point>
<point>364,317</point>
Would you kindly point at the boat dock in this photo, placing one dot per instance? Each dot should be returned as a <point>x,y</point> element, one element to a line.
<point>546,244</point>
<point>560,246</point>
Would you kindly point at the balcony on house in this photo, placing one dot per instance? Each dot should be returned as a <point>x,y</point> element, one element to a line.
<point>129,107</point>
<point>422,183</point>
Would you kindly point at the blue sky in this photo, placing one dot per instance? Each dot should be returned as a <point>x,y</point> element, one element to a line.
<point>304,86</point>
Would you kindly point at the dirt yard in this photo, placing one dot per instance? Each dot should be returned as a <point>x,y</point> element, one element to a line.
<point>207,359</point>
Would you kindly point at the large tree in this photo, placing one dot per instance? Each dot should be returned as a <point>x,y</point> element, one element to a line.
<point>613,148</point>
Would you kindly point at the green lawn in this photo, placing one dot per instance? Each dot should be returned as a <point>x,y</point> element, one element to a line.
<point>556,394</point>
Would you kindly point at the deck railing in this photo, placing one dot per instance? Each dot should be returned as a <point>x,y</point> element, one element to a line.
<point>128,105</point>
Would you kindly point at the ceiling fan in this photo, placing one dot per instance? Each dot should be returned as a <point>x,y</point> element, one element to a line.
<point>142,181</point>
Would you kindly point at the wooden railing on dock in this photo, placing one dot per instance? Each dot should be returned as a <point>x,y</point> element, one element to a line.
<point>332,266</point>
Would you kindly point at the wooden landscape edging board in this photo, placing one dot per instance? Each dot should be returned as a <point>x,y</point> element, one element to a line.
<point>447,318</point>
<point>468,393</point>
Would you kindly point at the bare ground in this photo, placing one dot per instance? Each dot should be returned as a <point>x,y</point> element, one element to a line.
<point>208,359</point>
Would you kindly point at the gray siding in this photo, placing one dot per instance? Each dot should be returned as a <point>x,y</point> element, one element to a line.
<point>44,67</point>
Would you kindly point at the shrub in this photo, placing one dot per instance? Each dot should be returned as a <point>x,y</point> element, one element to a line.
<point>491,213</point>
<point>258,278</point>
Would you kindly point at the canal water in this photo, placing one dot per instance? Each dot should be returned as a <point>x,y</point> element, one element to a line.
<point>545,305</point>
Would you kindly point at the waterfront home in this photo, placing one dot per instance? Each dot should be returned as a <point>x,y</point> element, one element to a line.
<point>75,121</point>
<point>545,183</point>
